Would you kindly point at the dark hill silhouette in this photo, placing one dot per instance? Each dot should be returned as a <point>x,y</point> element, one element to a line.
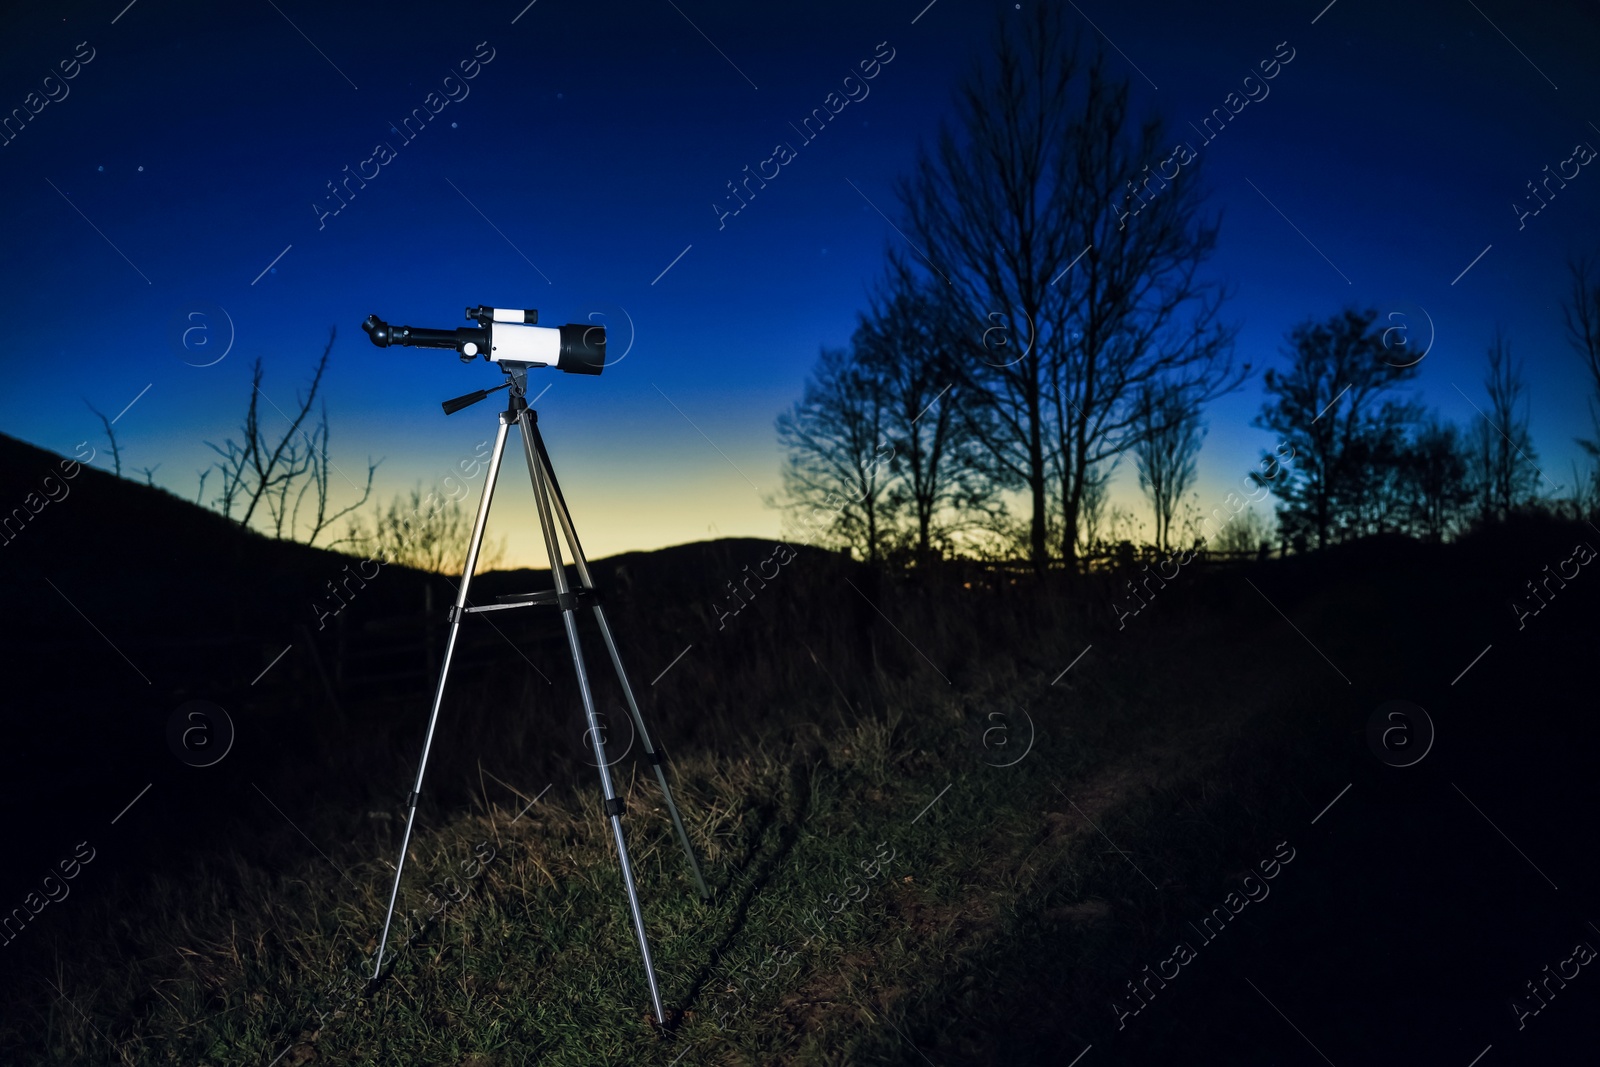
<point>170,602</point>
<point>117,548</point>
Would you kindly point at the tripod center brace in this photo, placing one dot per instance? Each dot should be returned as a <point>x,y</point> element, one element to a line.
<point>552,509</point>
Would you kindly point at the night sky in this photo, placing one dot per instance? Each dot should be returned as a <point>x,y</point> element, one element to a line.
<point>577,169</point>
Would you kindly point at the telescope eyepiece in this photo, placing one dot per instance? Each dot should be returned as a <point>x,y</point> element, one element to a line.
<point>378,330</point>
<point>466,342</point>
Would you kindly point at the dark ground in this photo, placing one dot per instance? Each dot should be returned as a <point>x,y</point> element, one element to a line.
<point>1416,906</point>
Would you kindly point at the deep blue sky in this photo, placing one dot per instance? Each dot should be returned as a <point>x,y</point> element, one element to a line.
<point>596,140</point>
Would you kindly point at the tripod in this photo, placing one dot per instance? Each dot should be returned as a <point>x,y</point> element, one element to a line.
<point>552,508</point>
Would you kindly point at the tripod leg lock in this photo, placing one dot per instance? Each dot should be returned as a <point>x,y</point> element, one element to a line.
<point>411,799</point>
<point>615,807</point>
<point>573,598</point>
<point>656,758</point>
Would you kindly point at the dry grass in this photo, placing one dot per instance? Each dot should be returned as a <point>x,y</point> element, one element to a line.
<point>818,737</point>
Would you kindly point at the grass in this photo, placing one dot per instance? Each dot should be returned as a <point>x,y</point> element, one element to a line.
<point>1010,906</point>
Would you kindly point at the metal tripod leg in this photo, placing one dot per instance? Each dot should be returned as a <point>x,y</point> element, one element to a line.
<point>581,562</point>
<point>569,616</point>
<point>456,616</point>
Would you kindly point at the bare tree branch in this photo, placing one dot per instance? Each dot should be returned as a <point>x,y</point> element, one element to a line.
<point>111,435</point>
<point>275,475</point>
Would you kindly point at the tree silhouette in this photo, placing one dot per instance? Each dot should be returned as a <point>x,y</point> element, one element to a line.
<point>1505,464</point>
<point>1581,310</point>
<point>423,532</point>
<point>1072,298</point>
<point>837,473</point>
<point>988,210</point>
<point>1167,446</point>
<point>1437,491</point>
<point>944,486</point>
<point>1326,407</point>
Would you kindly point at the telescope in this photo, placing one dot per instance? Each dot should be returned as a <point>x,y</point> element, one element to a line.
<point>508,336</point>
<point>512,338</point>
